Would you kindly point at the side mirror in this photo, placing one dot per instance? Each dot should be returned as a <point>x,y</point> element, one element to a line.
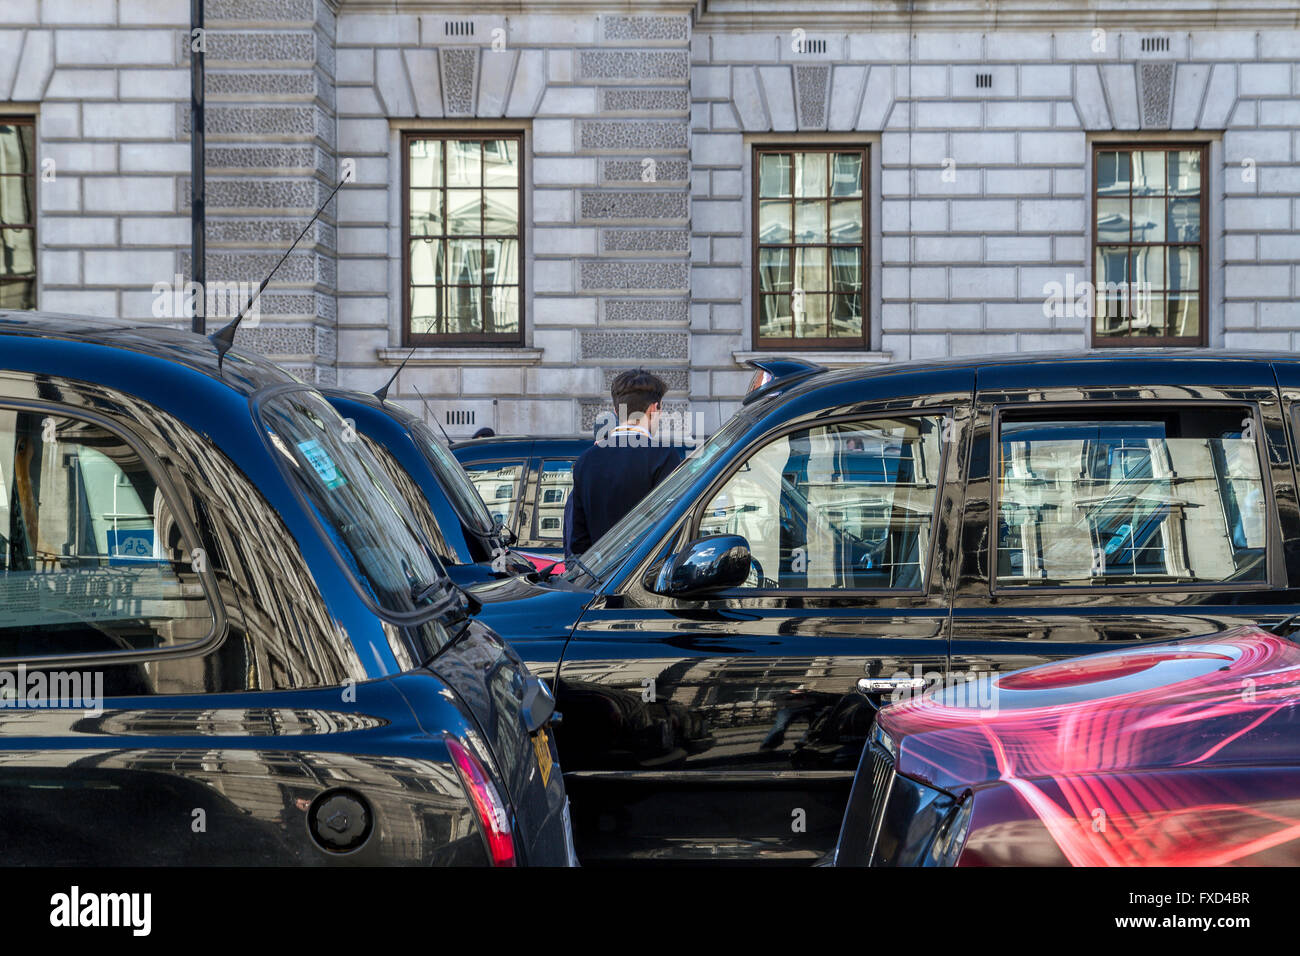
<point>504,534</point>
<point>706,564</point>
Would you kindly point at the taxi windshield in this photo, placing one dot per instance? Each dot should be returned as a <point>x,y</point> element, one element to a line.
<point>361,512</point>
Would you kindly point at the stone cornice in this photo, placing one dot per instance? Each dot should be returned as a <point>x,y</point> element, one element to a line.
<point>1057,15</point>
<point>497,8</point>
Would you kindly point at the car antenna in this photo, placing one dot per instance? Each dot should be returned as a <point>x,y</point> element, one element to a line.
<point>425,403</point>
<point>382,392</point>
<point>224,338</point>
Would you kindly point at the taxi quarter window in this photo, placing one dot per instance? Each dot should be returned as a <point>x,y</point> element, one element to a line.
<point>1135,496</point>
<point>847,505</point>
<point>555,482</point>
<point>92,560</point>
<point>499,484</point>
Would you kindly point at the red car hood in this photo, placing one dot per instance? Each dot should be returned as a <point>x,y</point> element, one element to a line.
<point>1229,699</point>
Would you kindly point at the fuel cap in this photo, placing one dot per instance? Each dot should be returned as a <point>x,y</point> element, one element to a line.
<point>340,820</point>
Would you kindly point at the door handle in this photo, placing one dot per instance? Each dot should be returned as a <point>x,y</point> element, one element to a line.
<point>874,686</point>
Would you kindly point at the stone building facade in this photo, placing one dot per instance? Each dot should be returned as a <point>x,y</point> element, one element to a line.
<point>673,168</point>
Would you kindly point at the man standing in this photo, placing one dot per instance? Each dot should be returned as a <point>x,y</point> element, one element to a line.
<point>613,475</point>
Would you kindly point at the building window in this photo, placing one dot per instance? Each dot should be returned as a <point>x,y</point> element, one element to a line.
<point>463,238</point>
<point>1149,247</point>
<point>17,213</point>
<point>810,248</point>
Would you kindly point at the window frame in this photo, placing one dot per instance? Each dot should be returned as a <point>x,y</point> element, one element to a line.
<point>1147,341</point>
<point>520,501</point>
<point>759,343</point>
<point>1273,566</point>
<point>184,520</point>
<point>28,119</point>
<point>537,503</point>
<point>690,526</point>
<point>481,339</point>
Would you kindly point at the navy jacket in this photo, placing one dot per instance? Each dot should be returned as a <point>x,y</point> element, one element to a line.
<point>610,478</point>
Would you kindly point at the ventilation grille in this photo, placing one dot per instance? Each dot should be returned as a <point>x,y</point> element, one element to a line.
<point>814,46</point>
<point>983,81</point>
<point>458,28</point>
<point>460,416</point>
<point>1155,44</point>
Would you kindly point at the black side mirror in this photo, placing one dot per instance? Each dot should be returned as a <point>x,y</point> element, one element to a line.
<point>706,564</point>
<point>503,534</point>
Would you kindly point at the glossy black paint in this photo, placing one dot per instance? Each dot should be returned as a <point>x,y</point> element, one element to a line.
<point>705,565</point>
<point>216,753</point>
<point>728,727</point>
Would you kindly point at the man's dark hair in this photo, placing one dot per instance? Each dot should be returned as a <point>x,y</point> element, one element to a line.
<point>636,390</point>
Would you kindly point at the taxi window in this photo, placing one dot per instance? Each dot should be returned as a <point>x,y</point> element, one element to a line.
<point>500,485</point>
<point>554,484</point>
<point>1171,498</point>
<point>362,513</point>
<point>92,559</point>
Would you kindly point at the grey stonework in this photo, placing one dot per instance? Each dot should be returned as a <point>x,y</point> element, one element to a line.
<point>639,127</point>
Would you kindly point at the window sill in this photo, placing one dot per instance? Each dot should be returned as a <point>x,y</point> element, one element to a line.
<point>830,359</point>
<point>484,355</point>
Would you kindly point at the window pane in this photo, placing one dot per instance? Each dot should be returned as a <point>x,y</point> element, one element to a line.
<point>501,261</point>
<point>501,309</point>
<point>428,265</point>
<point>91,557</point>
<point>1185,172</point>
<point>1184,268</point>
<point>426,212</point>
<point>1185,220</point>
<point>464,309</point>
<point>1183,314</point>
<point>17,204</point>
<point>426,163</point>
<point>1148,172</point>
<point>846,270</point>
<point>846,221</point>
<point>774,221</point>
<point>810,270</point>
<point>810,221</point>
<point>1167,499</point>
<point>774,270</point>
<point>17,253</point>
<point>500,212</point>
<point>846,316</point>
<point>810,174</point>
<point>498,484</point>
<point>839,506</point>
<point>1148,267</point>
<point>1112,220</point>
<point>18,295</point>
<point>464,163</point>
<point>775,318</point>
<point>427,308</point>
<point>846,174</point>
<point>1113,173</point>
<point>1149,219</point>
<point>773,175</point>
<point>464,212</point>
<point>464,262</point>
<point>811,316</point>
<point>555,481</point>
<point>501,163</point>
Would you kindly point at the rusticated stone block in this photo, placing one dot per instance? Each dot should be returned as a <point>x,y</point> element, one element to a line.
<point>638,100</point>
<point>813,83</point>
<point>306,120</point>
<point>647,310</point>
<point>248,49</point>
<point>635,345</point>
<point>666,171</point>
<point>677,379</point>
<point>301,83</point>
<point>648,204</point>
<point>646,28</point>
<point>278,158</point>
<point>644,240</point>
<point>634,65</point>
<point>633,134</point>
<point>259,11</point>
<point>598,275</point>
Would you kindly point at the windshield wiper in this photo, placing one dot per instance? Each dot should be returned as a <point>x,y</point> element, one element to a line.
<point>582,567</point>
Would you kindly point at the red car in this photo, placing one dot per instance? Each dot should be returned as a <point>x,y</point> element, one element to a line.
<point>1179,754</point>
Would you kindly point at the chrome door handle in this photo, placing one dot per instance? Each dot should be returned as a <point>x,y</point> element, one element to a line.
<point>871,686</point>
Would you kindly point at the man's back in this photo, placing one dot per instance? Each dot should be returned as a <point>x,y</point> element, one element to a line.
<point>611,477</point>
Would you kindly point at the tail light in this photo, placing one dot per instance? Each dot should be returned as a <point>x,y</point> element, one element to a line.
<point>492,812</point>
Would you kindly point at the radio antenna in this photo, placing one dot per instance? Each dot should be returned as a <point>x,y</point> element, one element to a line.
<point>434,417</point>
<point>382,393</point>
<point>224,338</point>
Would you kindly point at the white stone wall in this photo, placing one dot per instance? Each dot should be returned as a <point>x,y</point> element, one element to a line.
<point>623,268</point>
